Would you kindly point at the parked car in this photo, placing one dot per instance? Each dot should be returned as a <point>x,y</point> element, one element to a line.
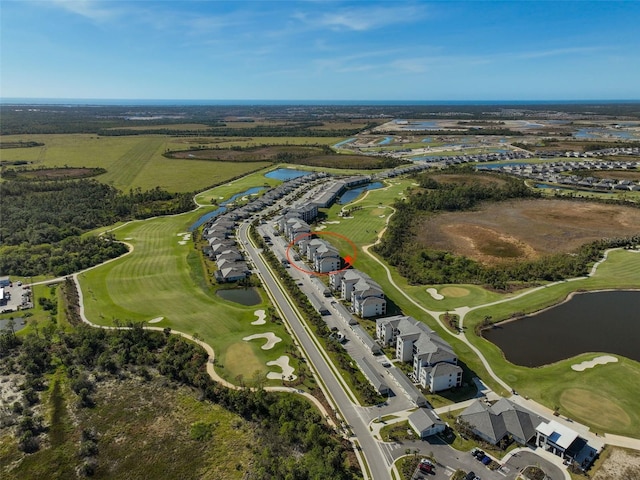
<point>425,468</point>
<point>480,457</point>
<point>476,452</point>
<point>470,476</point>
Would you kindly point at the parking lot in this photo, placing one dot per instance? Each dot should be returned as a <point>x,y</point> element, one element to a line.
<point>16,297</point>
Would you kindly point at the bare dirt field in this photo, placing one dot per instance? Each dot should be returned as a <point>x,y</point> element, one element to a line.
<point>526,229</point>
<point>621,464</point>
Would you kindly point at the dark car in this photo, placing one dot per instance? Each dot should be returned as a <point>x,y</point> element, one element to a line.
<point>470,476</point>
<point>426,467</point>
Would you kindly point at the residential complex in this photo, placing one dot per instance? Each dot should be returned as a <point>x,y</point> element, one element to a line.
<point>435,364</point>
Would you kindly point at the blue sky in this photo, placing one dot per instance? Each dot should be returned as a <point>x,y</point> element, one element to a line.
<point>320,50</point>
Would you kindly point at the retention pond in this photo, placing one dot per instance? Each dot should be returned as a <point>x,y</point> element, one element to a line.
<point>606,321</point>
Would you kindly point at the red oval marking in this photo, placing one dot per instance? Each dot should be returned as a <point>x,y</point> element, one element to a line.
<point>348,259</point>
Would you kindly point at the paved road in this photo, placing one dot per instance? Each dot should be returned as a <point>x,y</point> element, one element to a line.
<point>338,392</point>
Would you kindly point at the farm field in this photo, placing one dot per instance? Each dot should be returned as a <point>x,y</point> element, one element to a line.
<point>131,162</point>
<point>525,229</point>
<point>162,278</point>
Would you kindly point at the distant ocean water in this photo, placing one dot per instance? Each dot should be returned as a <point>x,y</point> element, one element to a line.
<point>72,102</point>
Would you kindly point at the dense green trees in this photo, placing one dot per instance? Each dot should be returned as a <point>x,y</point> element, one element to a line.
<point>42,223</point>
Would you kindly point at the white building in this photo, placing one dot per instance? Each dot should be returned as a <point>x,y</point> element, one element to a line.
<point>435,364</point>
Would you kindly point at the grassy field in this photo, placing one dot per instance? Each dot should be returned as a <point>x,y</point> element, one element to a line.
<point>163,278</point>
<point>131,161</point>
<point>158,444</point>
<point>584,396</point>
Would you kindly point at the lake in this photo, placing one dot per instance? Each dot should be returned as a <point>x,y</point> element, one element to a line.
<point>208,216</point>
<point>244,296</point>
<point>606,322</point>
<point>351,195</point>
<point>286,174</point>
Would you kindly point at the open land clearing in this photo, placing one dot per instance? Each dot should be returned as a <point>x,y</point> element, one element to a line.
<point>620,464</point>
<point>525,229</point>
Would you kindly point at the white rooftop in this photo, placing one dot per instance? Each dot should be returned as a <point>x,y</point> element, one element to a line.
<point>559,434</point>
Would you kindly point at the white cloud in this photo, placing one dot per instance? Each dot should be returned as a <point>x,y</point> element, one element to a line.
<point>92,9</point>
<point>362,18</point>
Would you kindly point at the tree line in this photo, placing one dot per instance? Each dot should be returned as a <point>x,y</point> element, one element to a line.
<point>42,222</point>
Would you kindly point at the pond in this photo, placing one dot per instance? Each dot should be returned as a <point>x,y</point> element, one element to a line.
<point>351,195</point>
<point>208,216</point>
<point>606,322</point>
<point>286,174</point>
<point>344,142</point>
<point>243,296</point>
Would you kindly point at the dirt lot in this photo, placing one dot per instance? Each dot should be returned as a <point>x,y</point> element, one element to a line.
<point>526,229</point>
<point>633,175</point>
<point>621,464</point>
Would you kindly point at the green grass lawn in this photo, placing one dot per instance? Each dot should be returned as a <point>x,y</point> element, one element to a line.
<point>162,278</point>
<point>131,161</point>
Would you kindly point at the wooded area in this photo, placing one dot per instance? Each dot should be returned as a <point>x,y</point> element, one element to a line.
<point>42,223</point>
<point>291,440</point>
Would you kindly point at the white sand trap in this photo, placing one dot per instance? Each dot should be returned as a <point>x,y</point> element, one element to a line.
<point>129,238</point>
<point>261,318</point>
<point>182,242</point>
<point>415,184</point>
<point>156,320</point>
<point>270,337</point>
<point>287,370</point>
<point>333,222</point>
<point>581,367</point>
<point>182,234</point>
<point>220,198</point>
<point>321,227</point>
<point>382,216</point>
<point>434,294</point>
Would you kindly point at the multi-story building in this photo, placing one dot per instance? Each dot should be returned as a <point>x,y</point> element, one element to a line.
<point>435,364</point>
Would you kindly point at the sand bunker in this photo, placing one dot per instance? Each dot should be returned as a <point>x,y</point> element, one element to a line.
<point>261,318</point>
<point>321,227</point>
<point>287,370</point>
<point>129,238</point>
<point>269,336</point>
<point>156,320</point>
<point>581,367</point>
<point>434,294</point>
<point>332,222</point>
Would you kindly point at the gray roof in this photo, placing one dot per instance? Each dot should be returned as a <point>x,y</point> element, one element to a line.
<point>411,390</point>
<point>500,419</point>
<point>423,419</point>
<point>373,376</point>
